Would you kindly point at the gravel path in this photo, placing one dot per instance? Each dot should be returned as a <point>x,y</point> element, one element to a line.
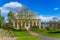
<point>7,38</point>
<point>11,38</point>
<point>43,37</point>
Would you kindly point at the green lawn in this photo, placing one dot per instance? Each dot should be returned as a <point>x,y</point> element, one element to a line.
<point>23,35</point>
<point>17,33</point>
<point>29,38</point>
<point>56,35</point>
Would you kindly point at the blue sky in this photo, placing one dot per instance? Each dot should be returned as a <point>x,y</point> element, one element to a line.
<point>43,8</point>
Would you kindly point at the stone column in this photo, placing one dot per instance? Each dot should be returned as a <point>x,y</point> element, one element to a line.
<point>21,23</point>
<point>36,23</point>
<point>32,23</point>
<point>13,24</point>
<point>25,25</point>
<point>39,23</point>
<point>17,24</point>
<point>29,24</point>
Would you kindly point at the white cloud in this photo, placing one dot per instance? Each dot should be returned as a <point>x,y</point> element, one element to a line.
<point>56,8</point>
<point>0,7</point>
<point>10,6</point>
<point>46,19</point>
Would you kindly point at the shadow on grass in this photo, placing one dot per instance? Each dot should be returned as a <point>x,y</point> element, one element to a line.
<point>54,32</point>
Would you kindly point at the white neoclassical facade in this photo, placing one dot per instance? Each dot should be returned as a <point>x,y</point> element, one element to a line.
<point>26,21</point>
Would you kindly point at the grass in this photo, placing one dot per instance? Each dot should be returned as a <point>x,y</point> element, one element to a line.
<point>29,38</point>
<point>23,35</point>
<point>18,33</point>
<point>56,35</point>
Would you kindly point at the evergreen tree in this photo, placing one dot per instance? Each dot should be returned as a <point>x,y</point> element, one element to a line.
<point>10,17</point>
<point>1,20</point>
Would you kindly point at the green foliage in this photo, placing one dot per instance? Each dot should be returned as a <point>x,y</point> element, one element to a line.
<point>19,33</point>
<point>1,20</point>
<point>29,38</point>
<point>47,28</point>
<point>56,35</point>
<point>11,17</point>
<point>23,35</point>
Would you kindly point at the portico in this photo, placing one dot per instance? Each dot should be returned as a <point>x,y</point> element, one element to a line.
<point>26,20</point>
<point>26,23</point>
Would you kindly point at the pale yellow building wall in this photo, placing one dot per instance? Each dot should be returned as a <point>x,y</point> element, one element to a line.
<point>27,21</point>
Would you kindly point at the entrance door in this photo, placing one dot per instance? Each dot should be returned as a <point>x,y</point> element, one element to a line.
<point>27,26</point>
